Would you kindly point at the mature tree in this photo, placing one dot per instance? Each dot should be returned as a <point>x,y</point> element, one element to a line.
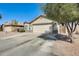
<point>0,16</point>
<point>14,22</point>
<point>67,14</point>
<point>1,25</point>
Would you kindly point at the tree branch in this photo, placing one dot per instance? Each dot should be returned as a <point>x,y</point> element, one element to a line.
<point>67,26</point>
<point>75,26</point>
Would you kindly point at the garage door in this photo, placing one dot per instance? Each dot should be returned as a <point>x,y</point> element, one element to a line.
<point>41,28</point>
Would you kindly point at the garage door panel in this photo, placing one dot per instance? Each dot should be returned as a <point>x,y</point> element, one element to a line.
<point>41,28</point>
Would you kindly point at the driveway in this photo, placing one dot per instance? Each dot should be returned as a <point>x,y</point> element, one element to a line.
<point>27,44</point>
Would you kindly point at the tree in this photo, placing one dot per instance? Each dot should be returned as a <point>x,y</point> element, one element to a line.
<point>63,13</point>
<point>0,16</point>
<point>14,22</point>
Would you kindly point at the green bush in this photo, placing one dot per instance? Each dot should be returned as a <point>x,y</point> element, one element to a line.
<point>0,29</point>
<point>21,30</point>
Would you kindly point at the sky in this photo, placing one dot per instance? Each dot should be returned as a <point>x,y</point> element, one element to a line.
<point>22,12</point>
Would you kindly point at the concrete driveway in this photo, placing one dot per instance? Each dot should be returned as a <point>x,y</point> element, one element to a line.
<point>27,44</point>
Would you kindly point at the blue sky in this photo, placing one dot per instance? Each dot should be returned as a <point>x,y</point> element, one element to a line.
<point>20,11</point>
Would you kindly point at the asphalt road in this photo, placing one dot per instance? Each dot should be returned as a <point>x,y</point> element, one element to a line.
<point>26,45</point>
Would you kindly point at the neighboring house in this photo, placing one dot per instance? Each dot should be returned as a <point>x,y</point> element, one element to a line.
<point>9,27</point>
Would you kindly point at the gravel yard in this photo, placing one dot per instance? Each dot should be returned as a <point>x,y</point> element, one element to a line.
<point>62,48</point>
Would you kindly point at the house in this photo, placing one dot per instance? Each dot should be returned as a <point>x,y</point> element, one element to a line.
<point>40,25</point>
<point>9,27</point>
<point>27,26</point>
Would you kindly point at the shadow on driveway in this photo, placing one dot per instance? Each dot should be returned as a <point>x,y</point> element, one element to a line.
<point>47,36</point>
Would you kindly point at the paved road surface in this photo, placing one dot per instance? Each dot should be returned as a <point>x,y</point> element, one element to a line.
<point>26,45</point>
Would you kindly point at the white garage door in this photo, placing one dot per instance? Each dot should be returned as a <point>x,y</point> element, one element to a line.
<point>41,28</point>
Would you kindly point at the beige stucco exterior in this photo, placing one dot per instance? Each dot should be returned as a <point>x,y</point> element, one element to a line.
<point>8,29</point>
<point>42,28</point>
<point>11,28</point>
<point>77,29</point>
<point>41,25</point>
<point>41,20</point>
<point>26,27</point>
<point>62,29</point>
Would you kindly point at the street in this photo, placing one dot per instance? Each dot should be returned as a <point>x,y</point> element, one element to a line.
<point>27,44</point>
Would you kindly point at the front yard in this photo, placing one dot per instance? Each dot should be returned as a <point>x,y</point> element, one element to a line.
<point>63,48</point>
<point>35,45</point>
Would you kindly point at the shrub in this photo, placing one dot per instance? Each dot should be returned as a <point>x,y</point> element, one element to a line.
<point>21,30</point>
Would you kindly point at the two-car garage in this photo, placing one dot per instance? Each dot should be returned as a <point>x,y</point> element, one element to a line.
<point>41,25</point>
<point>42,28</point>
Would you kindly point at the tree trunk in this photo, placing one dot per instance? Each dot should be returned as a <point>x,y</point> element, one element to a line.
<point>69,30</point>
<point>70,37</point>
<point>71,27</point>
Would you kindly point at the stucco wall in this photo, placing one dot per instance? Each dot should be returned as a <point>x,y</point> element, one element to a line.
<point>26,27</point>
<point>77,29</point>
<point>10,29</point>
<point>7,29</point>
<point>42,28</point>
<point>62,29</point>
